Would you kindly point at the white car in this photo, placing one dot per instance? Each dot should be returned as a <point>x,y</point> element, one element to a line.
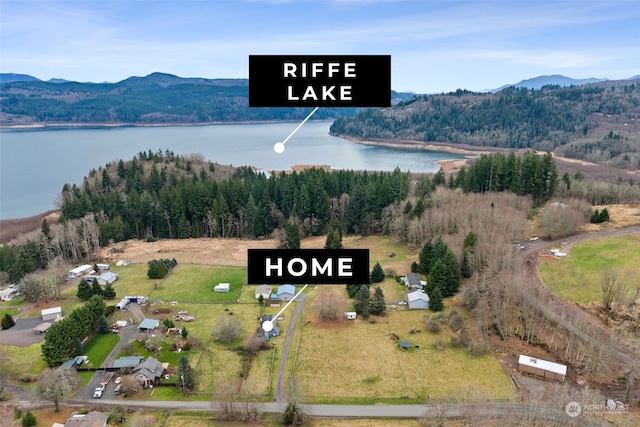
<point>118,380</point>
<point>97,393</point>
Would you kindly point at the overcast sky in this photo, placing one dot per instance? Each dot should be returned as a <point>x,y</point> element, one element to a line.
<point>434,46</point>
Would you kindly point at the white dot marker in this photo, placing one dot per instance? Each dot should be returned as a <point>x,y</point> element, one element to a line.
<point>267,325</point>
<point>278,147</point>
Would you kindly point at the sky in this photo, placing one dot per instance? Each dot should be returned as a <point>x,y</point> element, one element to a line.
<point>435,46</point>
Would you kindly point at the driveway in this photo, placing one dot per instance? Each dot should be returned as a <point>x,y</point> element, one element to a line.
<point>22,334</point>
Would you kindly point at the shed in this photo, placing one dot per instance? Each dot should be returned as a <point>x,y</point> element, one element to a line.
<point>51,313</point>
<point>350,315</point>
<point>405,345</point>
<point>264,290</point>
<point>107,278</point>
<point>285,293</point>
<point>79,271</point>
<point>418,300</point>
<point>148,324</point>
<point>42,327</point>
<point>222,287</point>
<point>542,368</point>
<point>103,266</point>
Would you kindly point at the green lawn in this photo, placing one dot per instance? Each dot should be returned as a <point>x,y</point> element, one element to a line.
<point>25,360</point>
<point>98,348</point>
<point>577,277</point>
<point>194,283</point>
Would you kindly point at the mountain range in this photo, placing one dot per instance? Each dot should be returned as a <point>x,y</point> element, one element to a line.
<point>539,82</point>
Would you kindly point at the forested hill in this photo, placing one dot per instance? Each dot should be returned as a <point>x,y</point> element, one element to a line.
<point>155,99</point>
<point>597,122</point>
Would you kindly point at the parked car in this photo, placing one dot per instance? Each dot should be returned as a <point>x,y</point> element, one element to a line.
<point>118,380</point>
<point>116,390</point>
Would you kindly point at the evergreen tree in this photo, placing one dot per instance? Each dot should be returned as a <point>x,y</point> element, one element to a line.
<point>7,322</point>
<point>377,274</point>
<point>186,376</point>
<point>28,420</point>
<point>361,304</point>
<point>108,292</point>
<point>435,300</point>
<point>184,333</point>
<point>96,289</point>
<point>470,240</point>
<point>377,306</point>
<point>466,269</point>
<point>103,325</point>
<point>334,235</point>
<point>291,236</point>
<point>437,277</point>
<point>84,290</point>
<point>452,268</point>
<point>352,290</point>
<point>45,228</point>
<point>425,257</point>
<point>419,209</point>
<point>415,268</point>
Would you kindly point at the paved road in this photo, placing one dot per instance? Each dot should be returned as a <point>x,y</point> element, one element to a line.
<point>286,347</point>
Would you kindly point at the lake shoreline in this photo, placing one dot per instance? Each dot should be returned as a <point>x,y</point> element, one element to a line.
<point>36,126</point>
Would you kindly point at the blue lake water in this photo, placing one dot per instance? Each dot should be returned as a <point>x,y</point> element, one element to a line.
<point>36,163</point>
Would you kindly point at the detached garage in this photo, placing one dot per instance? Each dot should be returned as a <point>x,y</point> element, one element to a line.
<point>542,368</point>
<point>49,314</point>
<point>107,278</point>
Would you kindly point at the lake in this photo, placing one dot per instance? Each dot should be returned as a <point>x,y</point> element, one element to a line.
<point>36,163</point>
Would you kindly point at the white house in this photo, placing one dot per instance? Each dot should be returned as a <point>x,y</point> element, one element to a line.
<point>264,290</point>
<point>418,300</point>
<point>222,287</point>
<point>79,271</point>
<point>49,314</point>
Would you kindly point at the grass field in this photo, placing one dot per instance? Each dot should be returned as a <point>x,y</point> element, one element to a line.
<point>25,359</point>
<point>98,348</point>
<point>577,277</point>
<point>357,362</point>
<point>194,283</point>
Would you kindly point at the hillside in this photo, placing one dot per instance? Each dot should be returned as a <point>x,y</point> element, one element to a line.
<point>597,122</point>
<point>155,99</point>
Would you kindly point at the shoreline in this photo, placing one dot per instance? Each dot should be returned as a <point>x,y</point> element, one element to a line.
<point>34,126</point>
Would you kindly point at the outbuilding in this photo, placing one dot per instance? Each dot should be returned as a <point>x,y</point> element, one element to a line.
<point>148,324</point>
<point>542,368</point>
<point>42,327</point>
<point>49,314</point>
<point>107,278</point>
<point>285,293</point>
<point>264,290</point>
<point>79,271</point>
<point>418,300</point>
<point>222,287</point>
<point>350,315</point>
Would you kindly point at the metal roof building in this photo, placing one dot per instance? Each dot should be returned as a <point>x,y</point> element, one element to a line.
<point>542,368</point>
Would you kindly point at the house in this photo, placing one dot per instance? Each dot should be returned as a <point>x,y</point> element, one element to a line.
<point>49,314</point>
<point>149,372</point>
<point>79,271</point>
<point>222,287</point>
<point>127,362</point>
<point>350,315</point>
<point>418,300</point>
<point>148,324</point>
<point>107,278</point>
<point>91,419</point>
<point>542,368</point>
<point>9,293</point>
<point>264,290</point>
<point>285,293</point>
<point>268,334</point>
<point>412,281</point>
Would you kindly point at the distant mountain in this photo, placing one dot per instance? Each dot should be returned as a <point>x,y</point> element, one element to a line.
<point>154,99</point>
<point>12,77</point>
<point>555,79</point>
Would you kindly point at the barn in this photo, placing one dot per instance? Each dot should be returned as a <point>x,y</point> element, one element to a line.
<point>542,368</point>
<point>49,314</point>
<point>107,278</point>
<point>148,324</point>
<point>418,300</point>
<point>285,293</point>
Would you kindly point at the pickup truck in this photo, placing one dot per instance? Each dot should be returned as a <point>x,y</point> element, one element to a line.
<point>98,392</point>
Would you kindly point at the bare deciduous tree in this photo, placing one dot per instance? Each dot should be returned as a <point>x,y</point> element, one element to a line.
<point>56,384</point>
<point>227,329</point>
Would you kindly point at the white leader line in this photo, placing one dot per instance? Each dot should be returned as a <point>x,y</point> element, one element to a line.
<point>296,295</point>
<point>299,126</point>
